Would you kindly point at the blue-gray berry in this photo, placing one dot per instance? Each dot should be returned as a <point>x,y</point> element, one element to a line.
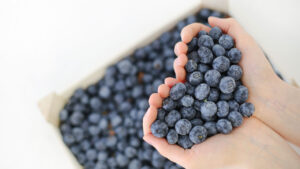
<point>218,50</point>
<point>198,134</point>
<point>197,122</point>
<point>161,113</point>
<point>195,78</point>
<point>188,113</point>
<point>221,64</point>
<point>241,94</point>
<point>172,117</point>
<point>212,77</point>
<point>213,95</point>
<point>172,137</point>
<point>226,41</point>
<point>205,54</point>
<point>208,110</point>
<point>234,55</point>
<point>192,44</point>
<point>187,101</point>
<point>215,33</point>
<point>169,104</point>
<point>191,66</point>
<point>206,41</point>
<point>235,118</point>
<point>247,109</point>
<point>183,126</point>
<point>233,105</point>
<point>227,85</point>
<point>226,97</point>
<point>223,109</point>
<point>202,91</point>
<point>224,126</point>
<point>185,142</point>
<point>203,68</point>
<point>211,128</point>
<point>177,91</point>
<point>159,129</point>
<point>235,71</point>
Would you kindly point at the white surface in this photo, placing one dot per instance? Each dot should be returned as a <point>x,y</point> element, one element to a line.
<point>47,45</point>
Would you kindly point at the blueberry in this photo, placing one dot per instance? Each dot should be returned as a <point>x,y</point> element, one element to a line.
<point>247,109</point>
<point>120,86</point>
<point>224,126</point>
<point>94,118</point>
<point>63,115</point>
<point>177,91</point>
<point>198,134</point>
<point>92,90</point>
<point>215,33</point>
<point>202,33</point>
<point>91,154</point>
<point>223,109</point>
<point>226,41</point>
<point>111,141</point>
<point>85,145</point>
<point>100,165</point>
<point>112,162</point>
<point>180,25</point>
<point>69,139</point>
<point>208,110</point>
<point>159,129</point>
<point>213,95</point>
<point>121,132</point>
<point>241,94</point>
<point>115,120</point>
<point>211,128</point>
<point>137,91</point>
<point>235,118</point>
<point>157,160</point>
<point>212,78</point>
<point>183,126</point>
<point>102,156</point>
<point>185,142</point>
<point>192,44</point>
<point>158,64</point>
<point>187,101</point>
<point>191,66</point>
<point>103,123</point>
<point>224,96</point>
<point>65,128</point>
<point>235,72</point>
<point>203,68</point>
<point>233,105</point>
<point>104,92</point>
<point>218,50</point>
<point>221,64</point>
<point>76,118</point>
<point>217,14</point>
<point>205,54</point>
<point>78,133</point>
<point>78,93</point>
<point>131,81</point>
<point>169,104</point>
<point>121,160</point>
<point>135,142</point>
<point>124,66</point>
<point>172,137</point>
<point>188,112</point>
<point>202,91</point>
<point>95,103</point>
<point>196,122</point>
<point>156,84</point>
<point>172,117</point>
<point>161,113</point>
<point>206,41</point>
<point>189,88</point>
<point>191,19</point>
<point>197,105</point>
<point>194,56</point>
<point>234,55</point>
<point>130,152</point>
<point>135,164</point>
<point>204,13</point>
<point>81,158</point>
<point>195,78</point>
<point>227,84</point>
<point>165,37</point>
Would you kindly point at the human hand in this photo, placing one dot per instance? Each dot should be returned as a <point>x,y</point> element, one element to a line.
<point>276,102</point>
<point>220,150</point>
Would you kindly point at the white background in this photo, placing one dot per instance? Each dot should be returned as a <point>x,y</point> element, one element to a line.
<point>47,45</point>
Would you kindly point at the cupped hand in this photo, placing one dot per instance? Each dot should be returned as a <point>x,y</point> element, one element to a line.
<point>253,144</point>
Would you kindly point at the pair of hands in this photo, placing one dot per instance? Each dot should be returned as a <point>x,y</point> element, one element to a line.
<point>255,144</point>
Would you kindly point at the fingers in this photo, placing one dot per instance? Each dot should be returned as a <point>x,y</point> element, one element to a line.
<point>148,119</point>
<point>180,48</point>
<point>178,65</point>
<point>172,152</point>
<point>191,31</point>
<point>163,90</point>
<point>155,100</point>
<point>170,81</point>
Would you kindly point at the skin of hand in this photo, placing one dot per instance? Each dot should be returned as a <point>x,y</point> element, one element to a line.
<point>252,145</point>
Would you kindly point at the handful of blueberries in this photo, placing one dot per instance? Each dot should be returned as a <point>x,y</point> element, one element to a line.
<point>213,98</point>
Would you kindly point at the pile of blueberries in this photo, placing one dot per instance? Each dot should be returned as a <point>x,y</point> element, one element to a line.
<point>102,124</point>
<point>213,98</point>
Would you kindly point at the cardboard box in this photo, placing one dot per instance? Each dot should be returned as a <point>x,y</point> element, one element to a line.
<point>51,105</point>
